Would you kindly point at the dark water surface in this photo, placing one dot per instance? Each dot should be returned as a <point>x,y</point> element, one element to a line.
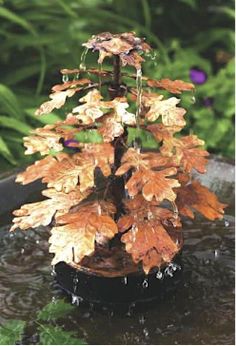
<point>199,311</point>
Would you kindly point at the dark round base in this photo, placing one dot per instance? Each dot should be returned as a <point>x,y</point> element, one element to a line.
<point>135,287</point>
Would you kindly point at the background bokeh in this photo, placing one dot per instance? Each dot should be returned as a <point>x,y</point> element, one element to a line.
<point>193,40</point>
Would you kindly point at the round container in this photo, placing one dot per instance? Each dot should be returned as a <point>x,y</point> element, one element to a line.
<point>110,277</point>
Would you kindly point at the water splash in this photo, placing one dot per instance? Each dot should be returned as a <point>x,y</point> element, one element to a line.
<point>172,267</point>
<point>65,78</point>
<point>139,95</point>
<point>76,300</point>
<point>145,283</point>
<point>82,65</point>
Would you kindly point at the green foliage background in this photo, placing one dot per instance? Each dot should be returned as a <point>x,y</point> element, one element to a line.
<point>38,37</point>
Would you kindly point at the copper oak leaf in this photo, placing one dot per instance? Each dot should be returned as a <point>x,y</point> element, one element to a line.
<point>173,86</point>
<point>171,115</point>
<point>58,100</point>
<point>41,213</point>
<point>43,140</point>
<point>149,242</point>
<point>186,152</point>
<point>66,173</point>
<point>76,235</point>
<point>153,184</point>
<point>36,171</point>
<point>196,197</point>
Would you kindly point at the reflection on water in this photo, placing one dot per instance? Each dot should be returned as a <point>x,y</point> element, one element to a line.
<point>201,311</point>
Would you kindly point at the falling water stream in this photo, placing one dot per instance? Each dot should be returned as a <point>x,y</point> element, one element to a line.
<point>139,96</point>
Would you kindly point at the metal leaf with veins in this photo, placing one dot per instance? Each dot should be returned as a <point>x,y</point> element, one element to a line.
<point>43,140</point>
<point>171,115</point>
<point>196,197</point>
<point>173,86</point>
<point>76,235</point>
<point>58,100</point>
<point>41,213</point>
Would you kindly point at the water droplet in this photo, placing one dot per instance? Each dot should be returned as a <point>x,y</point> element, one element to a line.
<point>139,95</point>
<point>22,250</point>
<point>65,78</point>
<point>82,65</point>
<point>131,307</point>
<point>125,280</point>
<point>159,275</point>
<point>227,223</point>
<point>53,272</point>
<point>145,283</point>
<point>146,332</point>
<point>193,99</point>
<point>141,319</point>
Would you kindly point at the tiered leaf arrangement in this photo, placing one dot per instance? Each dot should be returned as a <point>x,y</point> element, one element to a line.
<point>157,186</point>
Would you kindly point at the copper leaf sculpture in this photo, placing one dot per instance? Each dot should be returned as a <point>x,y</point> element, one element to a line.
<point>157,188</point>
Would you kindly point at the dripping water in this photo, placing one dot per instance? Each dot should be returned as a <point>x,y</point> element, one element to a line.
<point>82,65</point>
<point>139,95</point>
<point>159,275</point>
<point>65,78</point>
<point>100,77</point>
<point>145,283</point>
<point>125,280</point>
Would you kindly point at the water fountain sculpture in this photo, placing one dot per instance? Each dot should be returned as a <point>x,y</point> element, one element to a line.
<point>115,206</point>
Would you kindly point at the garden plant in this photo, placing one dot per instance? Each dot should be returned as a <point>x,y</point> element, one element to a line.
<point>107,187</point>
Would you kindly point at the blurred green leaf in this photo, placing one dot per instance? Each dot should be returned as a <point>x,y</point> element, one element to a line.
<point>55,310</point>
<point>50,335</point>
<point>146,138</point>
<point>44,119</point>
<point>9,102</point>
<point>11,332</point>
<point>5,152</point>
<point>88,136</point>
<point>15,124</point>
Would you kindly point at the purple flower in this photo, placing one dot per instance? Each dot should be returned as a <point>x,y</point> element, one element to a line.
<point>208,101</point>
<point>197,76</point>
<point>69,143</point>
